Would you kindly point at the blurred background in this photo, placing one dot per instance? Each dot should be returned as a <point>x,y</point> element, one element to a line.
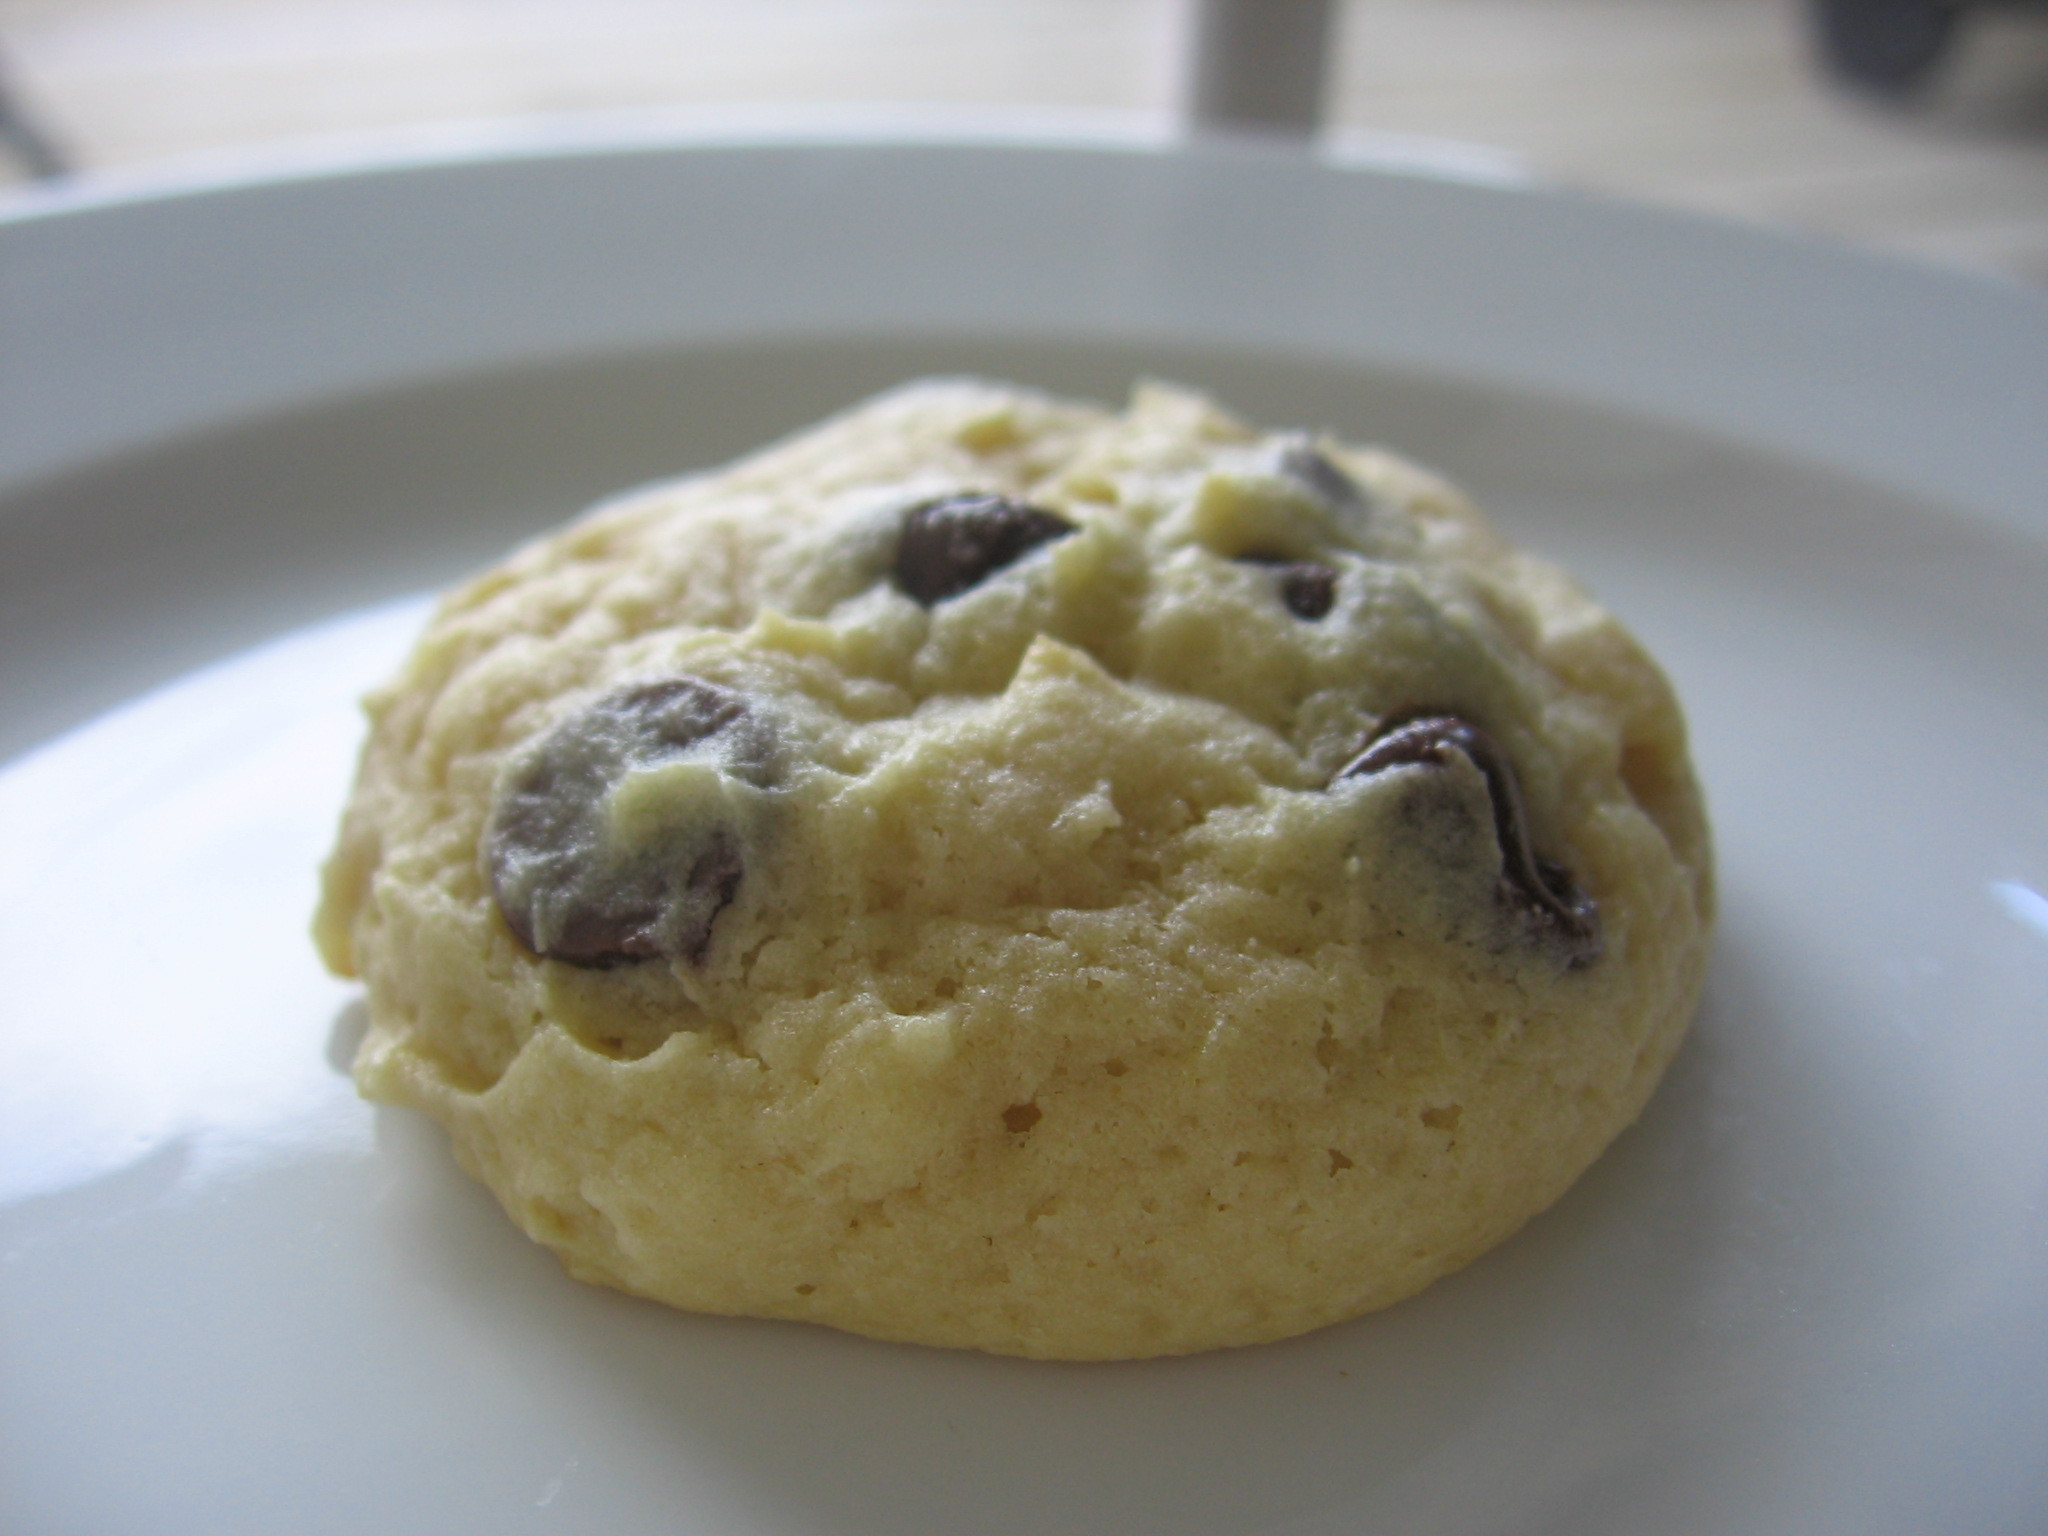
<point>1918,126</point>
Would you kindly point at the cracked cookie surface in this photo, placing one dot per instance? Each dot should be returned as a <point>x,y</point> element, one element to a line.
<point>991,871</point>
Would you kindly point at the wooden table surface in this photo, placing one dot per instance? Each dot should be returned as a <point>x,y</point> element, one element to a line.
<point>1705,104</point>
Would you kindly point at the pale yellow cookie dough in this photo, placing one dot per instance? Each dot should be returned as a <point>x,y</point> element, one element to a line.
<point>1040,983</point>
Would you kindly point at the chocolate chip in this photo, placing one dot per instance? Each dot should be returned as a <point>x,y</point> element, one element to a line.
<point>953,544</point>
<point>1305,463</point>
<point>1545,891</point>
<point>1307,587</point>
<point>569,885</point>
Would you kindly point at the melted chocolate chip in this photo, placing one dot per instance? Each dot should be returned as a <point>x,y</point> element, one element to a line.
<point>1544,890</point>
<point>1307,587</point>
<point>569,885</point>
<point>953,544</point>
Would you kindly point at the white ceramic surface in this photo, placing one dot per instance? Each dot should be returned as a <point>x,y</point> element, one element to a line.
<point>1808,1292</point>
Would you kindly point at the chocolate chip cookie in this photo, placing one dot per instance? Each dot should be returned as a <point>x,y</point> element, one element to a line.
<point>992,871</point>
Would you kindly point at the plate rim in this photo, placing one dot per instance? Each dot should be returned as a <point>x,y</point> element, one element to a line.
<point>145,314</point>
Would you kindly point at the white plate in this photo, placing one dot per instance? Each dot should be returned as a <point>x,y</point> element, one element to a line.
<point>1808,1292</point>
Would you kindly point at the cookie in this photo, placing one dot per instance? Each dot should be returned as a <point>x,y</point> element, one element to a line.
<point>991,871</point>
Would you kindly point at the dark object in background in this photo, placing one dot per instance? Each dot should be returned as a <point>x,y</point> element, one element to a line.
<point>1260,66</point>
<point>1887,47</point>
